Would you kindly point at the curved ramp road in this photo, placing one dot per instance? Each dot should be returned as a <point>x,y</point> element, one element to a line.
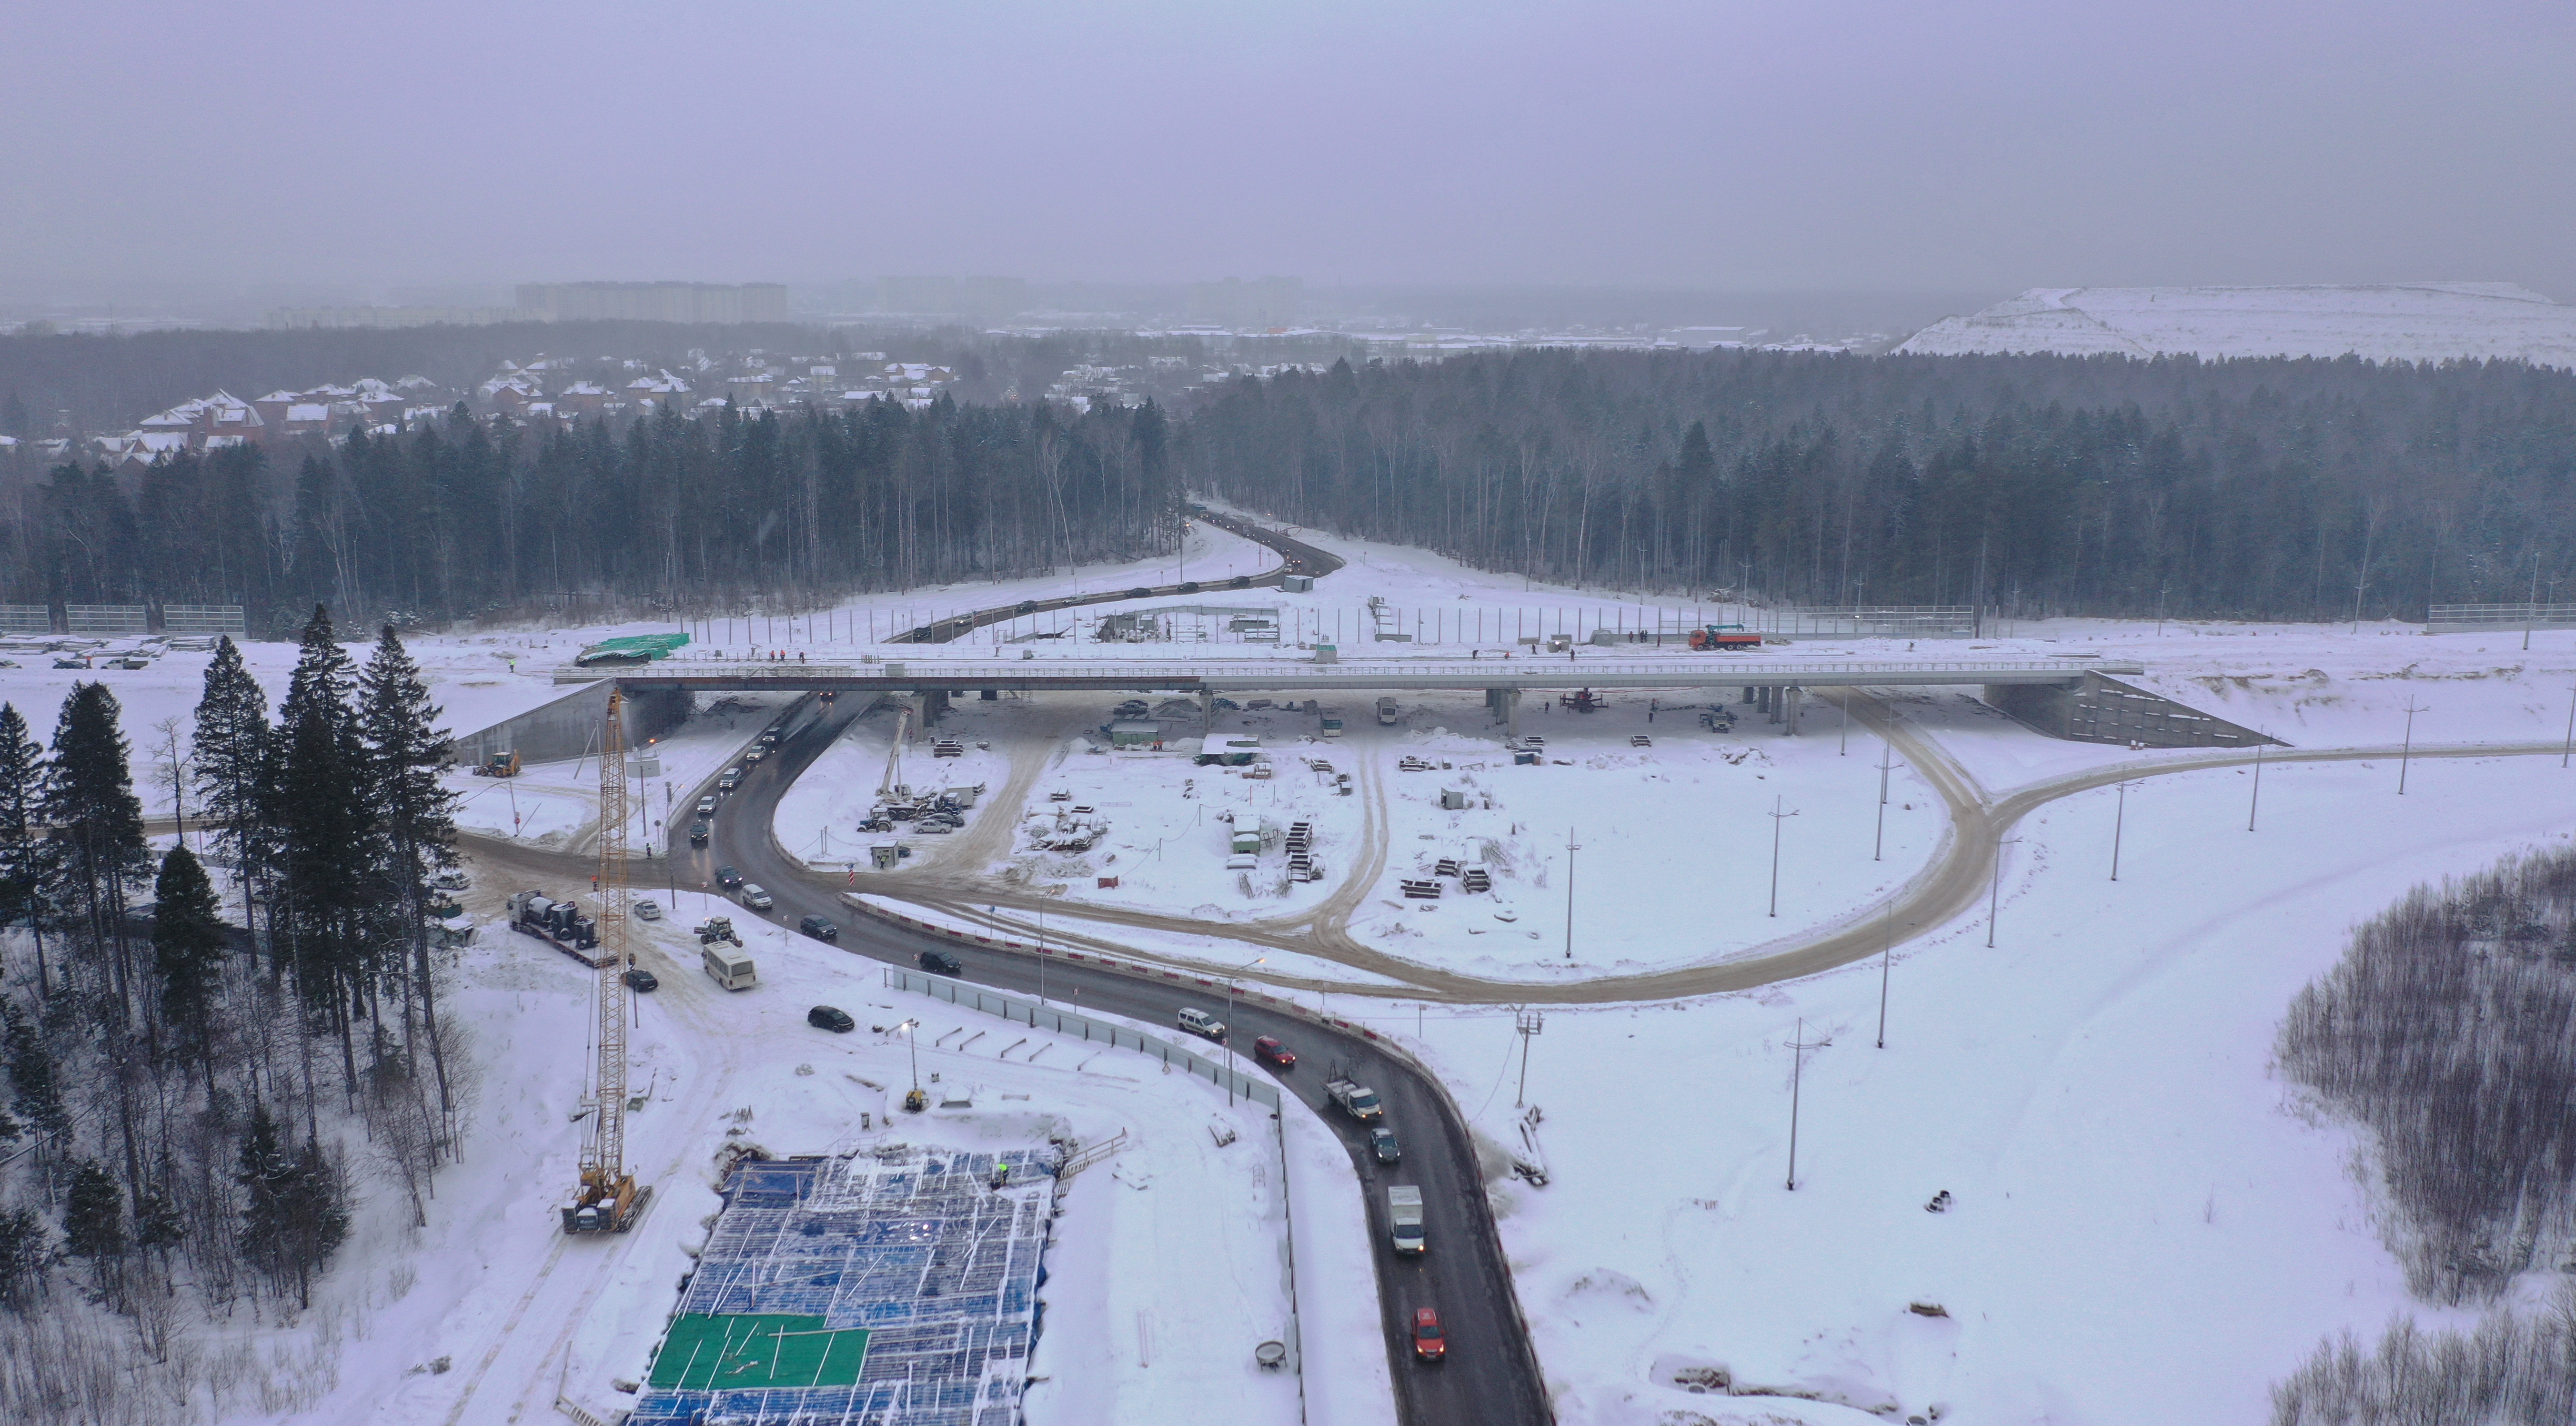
<point>1492,1375</point>
<point>1296,557</point>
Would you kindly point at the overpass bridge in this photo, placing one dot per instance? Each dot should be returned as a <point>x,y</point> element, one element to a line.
<point>1777,686</point>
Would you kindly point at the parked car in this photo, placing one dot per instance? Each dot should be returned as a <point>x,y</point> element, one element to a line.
<point>1382,1144</point>
<point>942,963</point>
<point>728,878</point>
<point>642,979</point>
<point>698,832</point>
<point>1430,1344</point>
<point>452,879</point>
<point>820,928</point>
<point>1199,1022</point>
<point>707,805</point>
<point>647,909</point>
<point>832,1018</point>
<point>1267,1047</point>
<point>756,899</point>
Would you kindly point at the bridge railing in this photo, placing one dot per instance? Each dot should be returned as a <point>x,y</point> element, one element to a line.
<point>1706,669</point>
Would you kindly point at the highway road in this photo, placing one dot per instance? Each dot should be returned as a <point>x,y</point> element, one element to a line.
<point>1492,1375</point>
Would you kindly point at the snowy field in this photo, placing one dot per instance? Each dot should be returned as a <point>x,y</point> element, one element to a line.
<point>2425,321</point>
<point>2147,1225</point>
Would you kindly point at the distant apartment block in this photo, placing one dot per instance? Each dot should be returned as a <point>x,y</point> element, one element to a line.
<point>656,301</point>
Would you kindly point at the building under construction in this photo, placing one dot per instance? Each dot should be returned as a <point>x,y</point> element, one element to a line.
<point>894,1287</point>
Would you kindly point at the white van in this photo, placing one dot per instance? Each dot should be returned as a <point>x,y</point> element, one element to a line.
<point>1199,1022</point>
<point>728,966</point>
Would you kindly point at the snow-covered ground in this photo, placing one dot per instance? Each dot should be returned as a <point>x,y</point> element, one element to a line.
<point>1168,1265</point>
<point>2147,1225</point>
<point>2424,321</point>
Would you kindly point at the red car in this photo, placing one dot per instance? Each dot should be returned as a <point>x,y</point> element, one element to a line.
<point>1428,1342</point>
<point>1267,1047</point>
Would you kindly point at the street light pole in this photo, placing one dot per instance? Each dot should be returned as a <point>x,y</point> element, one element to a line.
<point>1228,1041</point>
<point>912,1037</point>
<point>2118,817</point>
<point>1797,1070</point>
<point>1886,953</point>
<point>2406,751</point>
<point>1777,817</point>
<point>2254,805</point>
<point>1571,847</point>
<point>1995,893</point>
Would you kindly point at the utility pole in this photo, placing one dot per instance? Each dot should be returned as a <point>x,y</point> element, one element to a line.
<point>2118,817</point>
<point>1995,892</point>
<point>1571,847</point>
<point>1528,1023</point>
<point>1845,749</point>
<point>1797,1069</point>
<point>2570,746</point>
<point>2160,613</point>
<point>2254,806</point>
<point>1886,953</point>
<point>1886,756</point>
<point>2406,751</point>
<point>1777,817</point>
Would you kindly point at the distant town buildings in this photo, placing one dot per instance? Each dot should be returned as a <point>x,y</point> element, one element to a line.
<point>300,317</point>
<point>708,302</point>
<point>1265,302</point>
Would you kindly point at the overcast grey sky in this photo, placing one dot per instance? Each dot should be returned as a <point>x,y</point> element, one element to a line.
<point>1966,146</point>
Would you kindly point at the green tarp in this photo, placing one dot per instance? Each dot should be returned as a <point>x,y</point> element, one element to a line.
<point>720,1353</point>
<point>631,648</point>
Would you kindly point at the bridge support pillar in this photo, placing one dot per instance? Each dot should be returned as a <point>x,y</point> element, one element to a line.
<point>1506,706</point>
<point>1794,701</point>
<point>1748,694</point>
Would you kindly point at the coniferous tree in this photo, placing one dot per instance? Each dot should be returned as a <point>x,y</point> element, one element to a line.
<point>412,812</point>
<point>94,1218</point>
<point>97,827</point>
<point>188,942</point>
<point>318,809</point>
<point>296,1216</point>
<point>22,849</point>
<point>23,1254</point>
<point>232,746</point>
<point>34,1088</point>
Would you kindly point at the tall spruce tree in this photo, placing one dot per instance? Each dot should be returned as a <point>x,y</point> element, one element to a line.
<point>97,827</point>
<point>233,763</point>
<point>188,939</point>
<point>319,811</point>
<point>22,849</point>
<point>295,1215</point>
<point>94,1224</point>
<point>412,812</point>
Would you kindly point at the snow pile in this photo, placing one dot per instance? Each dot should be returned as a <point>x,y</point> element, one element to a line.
<point>2431,321</point>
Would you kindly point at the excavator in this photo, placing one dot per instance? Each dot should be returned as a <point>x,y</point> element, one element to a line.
<point>501,765</point>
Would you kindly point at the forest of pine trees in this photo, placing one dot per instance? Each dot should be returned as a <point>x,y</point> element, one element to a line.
<point>457,518</point>
<point>2040,485</point>
<point>194,1056</point>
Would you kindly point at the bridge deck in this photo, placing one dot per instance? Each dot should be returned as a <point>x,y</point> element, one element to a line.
<point>1261,675</point>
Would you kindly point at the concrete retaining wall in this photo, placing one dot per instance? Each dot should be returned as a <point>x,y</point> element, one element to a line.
<point>2105,710</point>
<point>569,726</point>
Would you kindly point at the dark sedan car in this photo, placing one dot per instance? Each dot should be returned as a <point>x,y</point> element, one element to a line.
<point>820,928</point>
<point>832,1018</point>
<point>941,962</point>
<point>1382,1143</point>
<point>728,878</point>
<point>642,979</point>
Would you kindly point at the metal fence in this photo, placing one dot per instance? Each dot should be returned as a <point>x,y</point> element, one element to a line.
<point>205,619</point>
<point>2497,618</point>
<point>1885,621</point>
<point>26,619</point>
<point>106,619</point>
<point>1062,1022</point>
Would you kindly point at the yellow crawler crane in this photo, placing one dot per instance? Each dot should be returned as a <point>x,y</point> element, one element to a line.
<point>610,1200</point>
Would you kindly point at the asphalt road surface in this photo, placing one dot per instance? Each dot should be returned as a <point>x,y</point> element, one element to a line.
<point>1492,1374</point>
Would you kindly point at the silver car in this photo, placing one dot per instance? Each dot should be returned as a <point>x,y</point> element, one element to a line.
<point>755,898</point>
